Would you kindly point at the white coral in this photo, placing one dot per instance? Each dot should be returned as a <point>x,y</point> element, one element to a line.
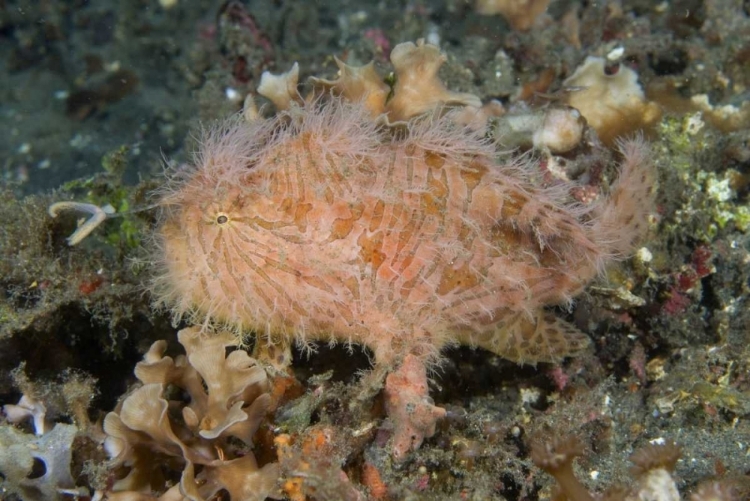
<point>417,89</point>
<point>613,104</point>
<point>228,398</point>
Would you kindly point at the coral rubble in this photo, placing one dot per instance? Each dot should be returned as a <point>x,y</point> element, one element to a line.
<point>653,466</point>
<point>396,206</point>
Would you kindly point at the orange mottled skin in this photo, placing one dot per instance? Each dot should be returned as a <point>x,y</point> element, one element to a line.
<point>321,226</point>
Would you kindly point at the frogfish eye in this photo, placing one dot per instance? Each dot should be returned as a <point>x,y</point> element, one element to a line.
<point>222,219</point>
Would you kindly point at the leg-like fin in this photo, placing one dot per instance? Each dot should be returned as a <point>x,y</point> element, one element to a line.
<point>529,339</point>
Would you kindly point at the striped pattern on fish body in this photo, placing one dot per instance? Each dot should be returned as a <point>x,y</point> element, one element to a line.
<point>404,245</point>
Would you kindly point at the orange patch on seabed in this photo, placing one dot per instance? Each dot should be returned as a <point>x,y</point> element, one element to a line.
<point>372,479</point>
<point>291,486</point>
<point>284,389</point>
